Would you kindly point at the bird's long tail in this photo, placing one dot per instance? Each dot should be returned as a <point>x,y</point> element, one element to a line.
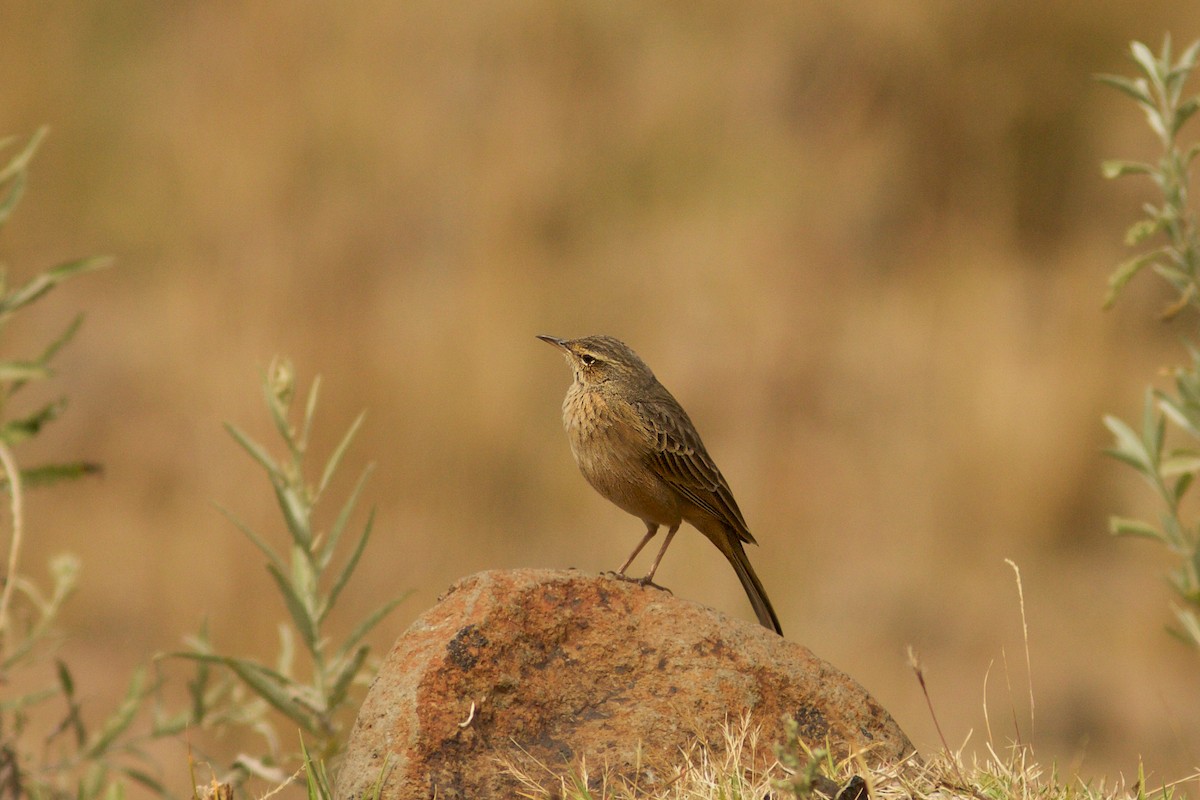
<point>753,586</point>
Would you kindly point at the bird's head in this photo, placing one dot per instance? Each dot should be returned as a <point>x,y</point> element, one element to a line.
<point>599,359</point>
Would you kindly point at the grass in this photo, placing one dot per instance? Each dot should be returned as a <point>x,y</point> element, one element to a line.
<point>1006,772</point>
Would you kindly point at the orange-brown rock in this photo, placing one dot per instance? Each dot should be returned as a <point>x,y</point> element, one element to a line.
<point>553,667</point>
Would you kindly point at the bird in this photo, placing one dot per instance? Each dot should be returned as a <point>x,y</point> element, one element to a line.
<point>638,448</point>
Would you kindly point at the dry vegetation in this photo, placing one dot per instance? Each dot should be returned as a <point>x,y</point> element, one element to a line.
<point>865,245</point>
<point>732,770</point>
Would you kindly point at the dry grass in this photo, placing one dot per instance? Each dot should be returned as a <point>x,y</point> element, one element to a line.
<point>699,772</point>
<point>1011,772</point>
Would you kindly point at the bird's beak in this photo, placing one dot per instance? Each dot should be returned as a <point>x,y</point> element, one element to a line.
<point>559,343</point>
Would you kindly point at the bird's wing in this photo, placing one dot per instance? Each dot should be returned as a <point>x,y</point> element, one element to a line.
<point>679,457</point>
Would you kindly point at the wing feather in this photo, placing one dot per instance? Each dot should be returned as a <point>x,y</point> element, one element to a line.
<point>679,457</point>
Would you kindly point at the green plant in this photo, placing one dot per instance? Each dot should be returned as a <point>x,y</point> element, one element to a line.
<point>806,768</point>
<point>46,749</point>
<point>72,759</point>
<point>1170,470</point>
<point>310,583</point>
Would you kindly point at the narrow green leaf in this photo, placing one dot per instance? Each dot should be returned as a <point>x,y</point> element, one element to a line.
<point>1173,533</point>
<point>1187,294</point>
<point>310,411</point>
<point>1181,485</point>
<point>332,464</point>
<point>1146,59</point>
<point>1191,154</point>
<point>266,683</point>
<point>1125,272</point>
<point>316,779</point>
<point>49,474</point>
<point>12,192</point>
<point>1187,381</point>
<point>197,687</point>
<point>385,769</point>
<point>1122,526</point>
<point>1153,430</point>
<point>311,783</point>
<point>293,502</point>
<point>1129,448</point>
<point>19,430</point>
<point>74,719</point>
<point>1187,61</point>
<point>18,163</point>
<point>1131,460</point>
<point>92,782</point>
<point>1179,464</point>
<point>285,431</point>
<point>172,725</point>
<point>287,650</point>
<point>296,607</point>
<point>65,681</point>
<point>63,338</point>
<point>279,388</point>
<point>256,451</point>
<point>80,266</point>
<point>22,371</point>
<point>341,684</point>
<point>1184,418</point>
<point>1117,168</point>
<point>47,280</point>
<point>339,524</point>
<point>1157,124</point>
<point>1173,81</point>
<point>1138,89</point>
<point>344,576</point>
<point>121,719</point>
<point>31,700</point>
<point>13,174</point>
<point>145,779</point>
<point>304,578</point>
<point>1182,581</point>
<point>276,693</point>
<point>371,620</point>
<point>1185,112</point>
<point>275,560</point>
<point>1191,626</point>
<point>1177,76</point>
<point>1181,281</point>
<point>1142,230</point>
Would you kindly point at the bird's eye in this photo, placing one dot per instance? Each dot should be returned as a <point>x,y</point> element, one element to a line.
<point>587,359</point>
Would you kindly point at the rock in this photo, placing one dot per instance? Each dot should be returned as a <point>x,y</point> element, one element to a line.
<point>542,668</point>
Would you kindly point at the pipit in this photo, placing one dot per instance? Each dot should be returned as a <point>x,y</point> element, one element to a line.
<point>635,445</point>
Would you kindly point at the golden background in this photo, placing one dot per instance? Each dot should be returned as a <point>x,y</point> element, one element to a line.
<point>865,244</point>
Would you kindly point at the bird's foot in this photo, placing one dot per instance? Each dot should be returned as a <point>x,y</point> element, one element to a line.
<point>621,576</point>
<point>617,576</point>
<point>647,582</point>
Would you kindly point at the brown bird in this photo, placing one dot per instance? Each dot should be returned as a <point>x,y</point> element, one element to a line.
<point>636,446</point>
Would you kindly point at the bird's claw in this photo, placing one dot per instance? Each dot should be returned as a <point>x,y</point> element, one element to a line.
<point>647,582</point>
<point>621,576</point>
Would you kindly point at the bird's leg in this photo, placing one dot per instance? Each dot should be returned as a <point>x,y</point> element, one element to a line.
<point>649,579</point>
<point>651,529</point>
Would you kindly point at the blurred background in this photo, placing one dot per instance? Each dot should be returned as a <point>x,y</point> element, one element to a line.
<point>864,244</point>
